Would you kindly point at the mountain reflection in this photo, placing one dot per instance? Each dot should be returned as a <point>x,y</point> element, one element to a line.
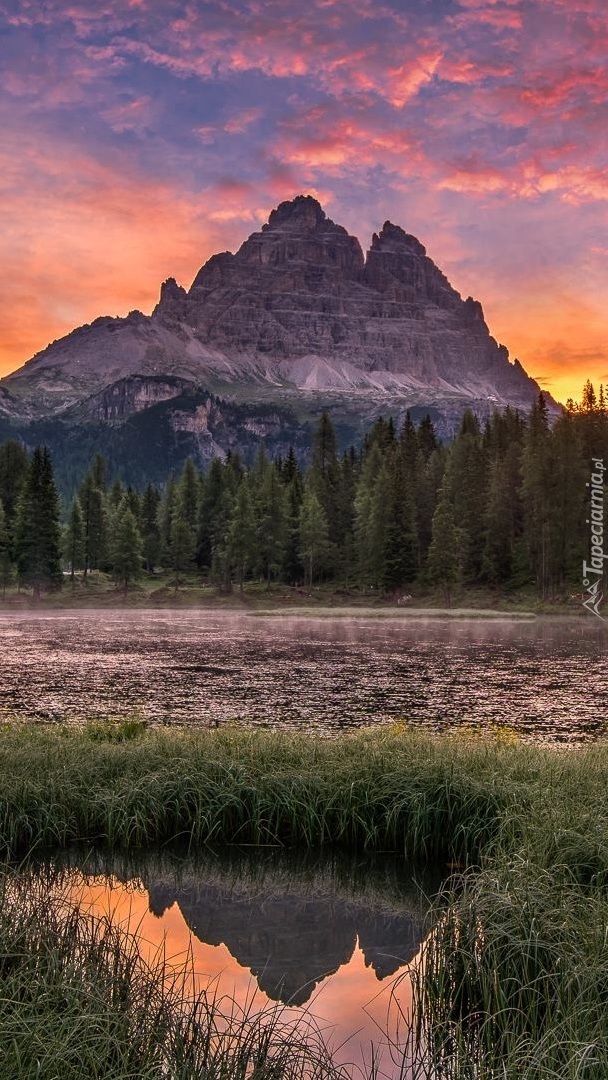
<point>291,939</point>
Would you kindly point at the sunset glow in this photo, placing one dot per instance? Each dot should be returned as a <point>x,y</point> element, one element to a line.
<point>139,138</point>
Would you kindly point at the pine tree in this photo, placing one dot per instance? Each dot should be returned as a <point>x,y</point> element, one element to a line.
<point>537,495</point>
<point>95,525</point>
<point>6,563</point>
<point>166,512</point>
<point>447,551</point>
<point>14,465</point>
<point>368,508</point>
<point>209,512</point>
<point>242,534</point>
<point>271,515</point>
<point>74,539</point>
<point>182,549</point>
<point>188,493</point>
<point>98,472</point>
<point>37,533</point>
<point>127,547</point>
<point>313,537</point>
<point>466,477</point>
<point>323,476</point>
<point>150,529</point>
<point>294,493</point>
<point>400,540</point>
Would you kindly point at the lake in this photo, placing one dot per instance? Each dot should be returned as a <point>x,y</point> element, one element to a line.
<point>546,678</point>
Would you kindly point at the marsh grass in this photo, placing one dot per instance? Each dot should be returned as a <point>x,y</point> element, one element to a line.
<point>424,798</point>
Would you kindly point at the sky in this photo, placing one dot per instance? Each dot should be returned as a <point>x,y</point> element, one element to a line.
<point>141,136</point>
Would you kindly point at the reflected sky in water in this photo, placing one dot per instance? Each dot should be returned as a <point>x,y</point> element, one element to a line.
<point>546,678</point>
<point>323,936</point>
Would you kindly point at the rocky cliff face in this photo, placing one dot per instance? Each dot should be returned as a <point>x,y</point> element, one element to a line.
<point>297,309</point>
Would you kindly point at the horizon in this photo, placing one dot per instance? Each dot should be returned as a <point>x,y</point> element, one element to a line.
<point>142,138</point>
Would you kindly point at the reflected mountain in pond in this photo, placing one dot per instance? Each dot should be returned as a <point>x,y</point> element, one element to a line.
<point>291,920</point>
<point>291,940</point>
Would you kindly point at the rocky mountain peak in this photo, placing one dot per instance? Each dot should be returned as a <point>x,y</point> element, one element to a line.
<point>296,311</point>
<point>301,214</point>
<point>394,238</point>
<point>172,298</point>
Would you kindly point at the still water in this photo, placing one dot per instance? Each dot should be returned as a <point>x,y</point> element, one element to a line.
<point>548,679</point>
<point>330,940</point>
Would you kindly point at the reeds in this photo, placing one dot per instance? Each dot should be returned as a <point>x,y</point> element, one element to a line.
<point>514,984</point>
<point>418,796</point>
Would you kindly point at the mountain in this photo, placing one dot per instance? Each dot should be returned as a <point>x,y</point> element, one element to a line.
<point>297,320</point>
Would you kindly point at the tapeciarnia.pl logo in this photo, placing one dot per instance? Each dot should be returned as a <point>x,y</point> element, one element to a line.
<point>593,571</point>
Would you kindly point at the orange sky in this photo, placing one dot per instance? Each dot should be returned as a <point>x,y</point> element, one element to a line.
<point>139,138</point>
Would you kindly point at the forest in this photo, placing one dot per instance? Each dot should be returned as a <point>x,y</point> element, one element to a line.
<point>505,505</point>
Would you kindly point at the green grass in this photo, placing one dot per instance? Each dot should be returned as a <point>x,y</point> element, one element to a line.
<point>100,590</point>
<point>125,787</point>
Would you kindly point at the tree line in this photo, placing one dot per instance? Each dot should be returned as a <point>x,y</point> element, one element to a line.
<point>505,505</point>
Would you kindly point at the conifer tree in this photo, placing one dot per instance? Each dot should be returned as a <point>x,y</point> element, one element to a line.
<point>150,529</point>
<point>182,549</point>
<point>98,472</point>
<point>323,475</point>
<point>242,534</point>
<point>133,501</point>
<point>427,438</point>
<point>127,547</point>
<point>74,539</point>
<point>313,537</point>
<point>95,525</point>
<point>166,512</point>
<point>447,551</point>
<point>37,533</point>
<point>294,493</point>
<point>210,508</point>
<point>368,508</point>
<point>188,493</point>
<point>271,515</point>
<point>14,465</point>
<point>537,496</point>
<point>400,540</point>
<point>6,563</point>
<point>466,477</point>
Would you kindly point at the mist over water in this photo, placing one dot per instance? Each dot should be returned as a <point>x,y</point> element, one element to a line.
<point>546,678</point>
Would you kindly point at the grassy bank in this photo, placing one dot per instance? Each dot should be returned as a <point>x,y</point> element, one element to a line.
<point>123,787</point>
<point>159,591</point>
<point>515,982</point>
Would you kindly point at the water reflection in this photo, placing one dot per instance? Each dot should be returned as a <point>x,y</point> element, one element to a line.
<point>546,678</point>
<point>332,936</point>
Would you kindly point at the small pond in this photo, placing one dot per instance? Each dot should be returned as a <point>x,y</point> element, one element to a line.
<point>330,938</point>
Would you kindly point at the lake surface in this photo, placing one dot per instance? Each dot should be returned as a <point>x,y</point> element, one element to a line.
<point>548,679</point>
<point>327,938</point>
